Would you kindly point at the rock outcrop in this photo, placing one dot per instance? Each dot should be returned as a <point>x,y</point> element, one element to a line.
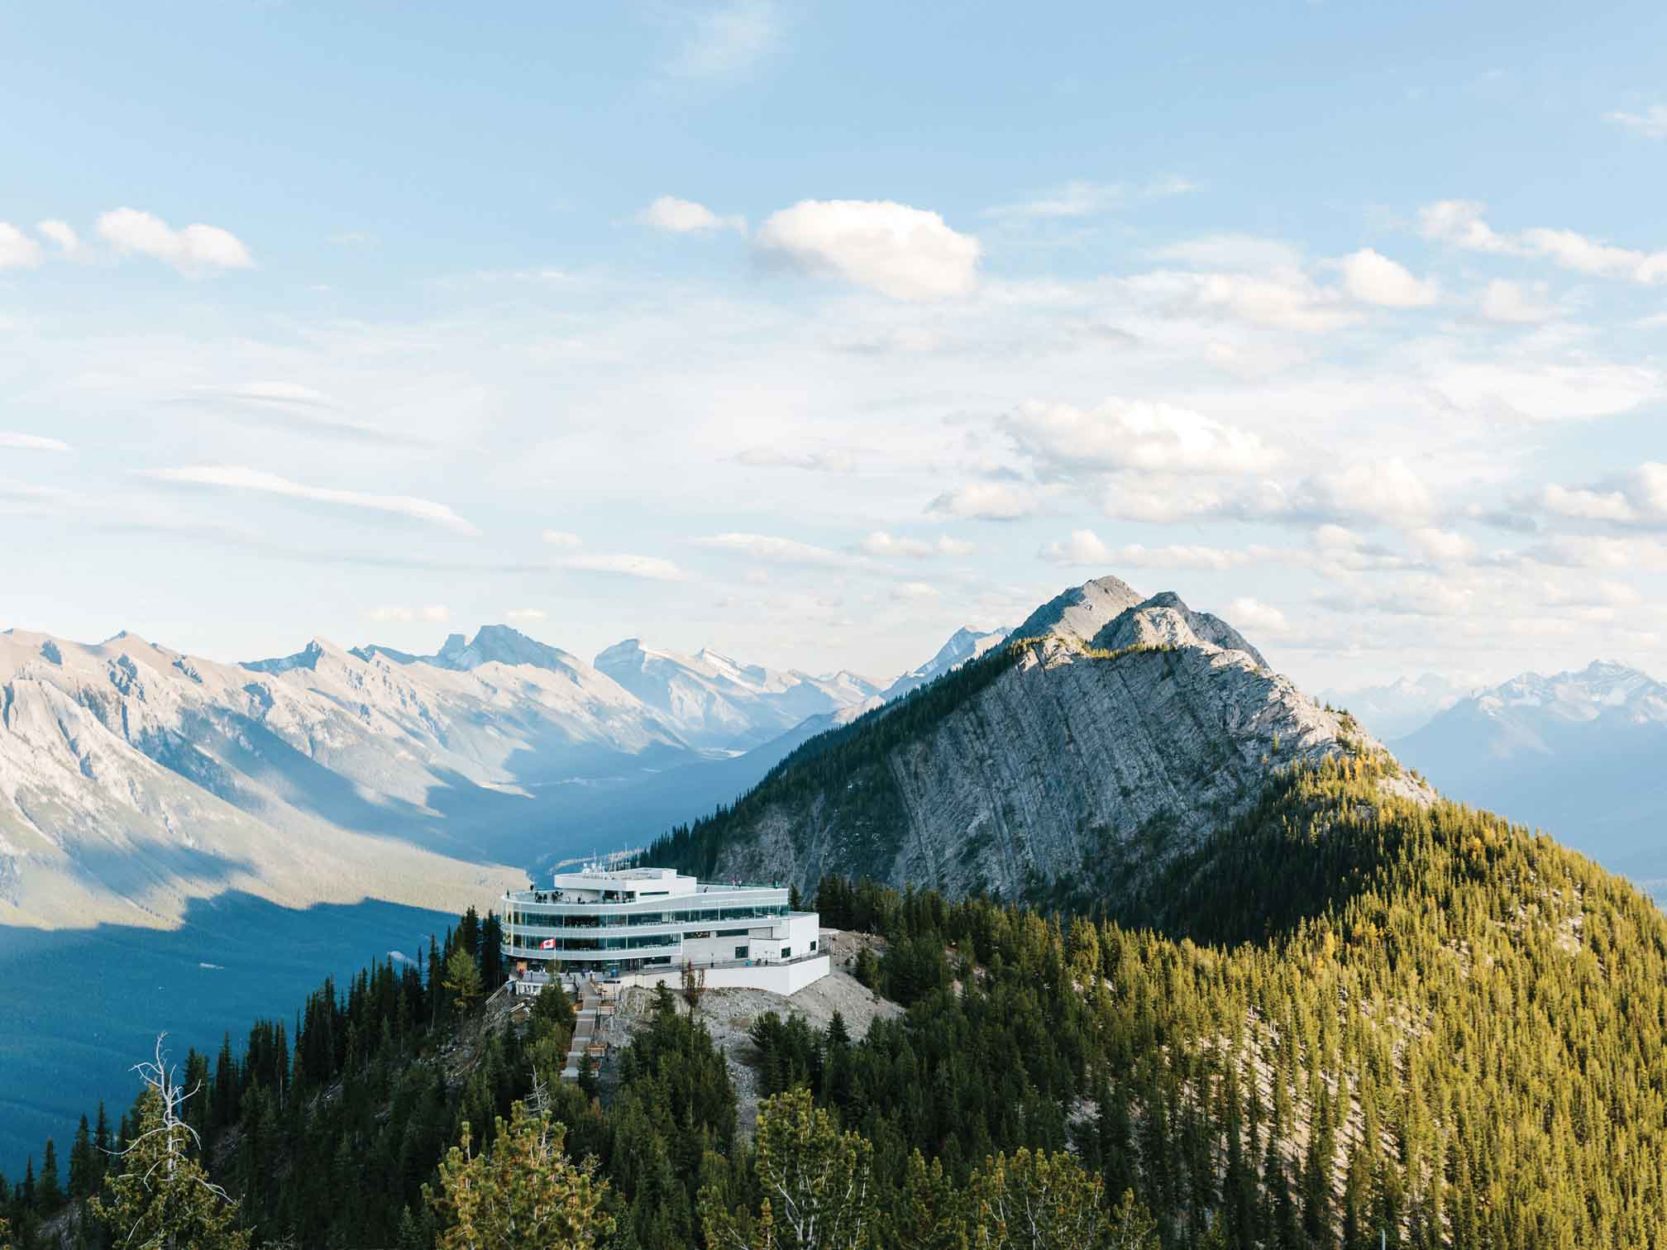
<point>1112,734</point>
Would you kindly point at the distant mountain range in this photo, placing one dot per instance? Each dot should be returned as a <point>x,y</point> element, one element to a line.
<point>135,778</point>
<point>1579,754</point>
<point>1397,708</point>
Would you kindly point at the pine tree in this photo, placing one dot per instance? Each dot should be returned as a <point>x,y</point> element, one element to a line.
<point>1035,1201</point>
<point>522,1194</point>
<point>815,1182</point>
<point>49,1190</point>
<point>83,1174</point>
<point>462,977</point>
<point>162,1199</point>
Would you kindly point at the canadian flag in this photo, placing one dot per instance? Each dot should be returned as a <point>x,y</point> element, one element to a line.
<point>548,944</point>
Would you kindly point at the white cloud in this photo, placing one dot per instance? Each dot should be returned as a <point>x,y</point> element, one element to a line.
<point>916,590</point>
<point>62,235</point>
<point>31,442</point>
<point>1254,615</point>
<point>1082,547</point>
<point>434,613</point>
<point>1086,199</point>
<point>1182,556</point>
<point>728,39</point>
<point>1280,299</point>
<point>884,545</point>
<point>775,550</point>
<point>1386,490</point>
<point>677,216</point>
<point>1636,497</point>
<point>1373,278</point>
<point>1134,434</point>
<point>1600,551</point>
<point>1651,123</point>
<point>257,481</point>
<point>191,249</point>
<point>906,253</point>
<point>525,616</point>
<point>1584,255</point>
<point>648,568</point>
<point>17,250</point>
<point>1460,222</point>
<point>1085,547</point>
<point>562,539</point>
<point>1516,304</point>
<point>1586,505</point>
<point>1531,389</point>
<point>1440,546</point>
<point>984,501</point>
<point>1242,252</point>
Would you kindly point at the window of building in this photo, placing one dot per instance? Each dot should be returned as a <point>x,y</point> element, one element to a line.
<point>740,952</point>
<point>787,952</point>
<point>812,946</point>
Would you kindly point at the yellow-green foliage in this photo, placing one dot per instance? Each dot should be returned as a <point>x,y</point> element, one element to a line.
<point>522,1194</point>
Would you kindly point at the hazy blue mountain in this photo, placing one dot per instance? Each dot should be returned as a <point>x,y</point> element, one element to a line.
<point>1579,754</point>
<point>963,645</point>
<point>714,701</point>
<point>1397,708</point>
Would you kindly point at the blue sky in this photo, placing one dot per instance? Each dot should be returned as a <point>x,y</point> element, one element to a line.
<point>811,332</point>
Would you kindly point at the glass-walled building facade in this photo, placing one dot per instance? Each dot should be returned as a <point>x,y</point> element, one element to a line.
<point>609,923</point>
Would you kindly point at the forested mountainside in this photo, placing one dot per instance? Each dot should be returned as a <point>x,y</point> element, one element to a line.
<point>1357,1019</point>
<point>1108,736</point>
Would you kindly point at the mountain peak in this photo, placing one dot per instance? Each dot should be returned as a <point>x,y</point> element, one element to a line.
<point>1165,620</point>
<point>1081,612</point>
<point>308,657</point>
<point>501,644</point>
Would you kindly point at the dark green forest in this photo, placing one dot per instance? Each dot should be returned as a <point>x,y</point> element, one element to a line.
<point>1349,1018</point>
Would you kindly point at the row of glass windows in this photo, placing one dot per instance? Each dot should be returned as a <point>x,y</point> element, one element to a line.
<point>609,943</point>
<point>544,920</point>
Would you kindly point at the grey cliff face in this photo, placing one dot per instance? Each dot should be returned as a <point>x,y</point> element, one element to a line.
<point>1120,736</point>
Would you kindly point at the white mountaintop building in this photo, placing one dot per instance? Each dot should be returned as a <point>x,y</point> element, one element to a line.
<point>645,925</point>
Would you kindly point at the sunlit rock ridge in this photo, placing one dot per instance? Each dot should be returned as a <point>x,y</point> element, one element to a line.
<point>1111,734</point>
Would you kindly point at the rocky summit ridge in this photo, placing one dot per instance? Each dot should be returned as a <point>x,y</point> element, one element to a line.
<point>1110,735</point>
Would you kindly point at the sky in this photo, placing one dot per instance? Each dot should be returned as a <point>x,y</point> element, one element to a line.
<point>810,332</point>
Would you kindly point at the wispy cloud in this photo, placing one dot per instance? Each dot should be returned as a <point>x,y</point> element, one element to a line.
<point>984,501</point>
<point>434,613</point>
<point>728,39</point>
<point>1084,547</point>
<point>679,216</point>
<point>625,564</point>
<point>245,480</point>
<point>292,406</point>
<point>776,550</point>
<point>1080,198</point>
<point>885,545</point>
<point>1462,224</point>
<point>1651,123</point>
<point>31,442</point>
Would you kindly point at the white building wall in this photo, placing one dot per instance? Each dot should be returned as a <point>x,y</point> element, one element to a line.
<point>778,978</point>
